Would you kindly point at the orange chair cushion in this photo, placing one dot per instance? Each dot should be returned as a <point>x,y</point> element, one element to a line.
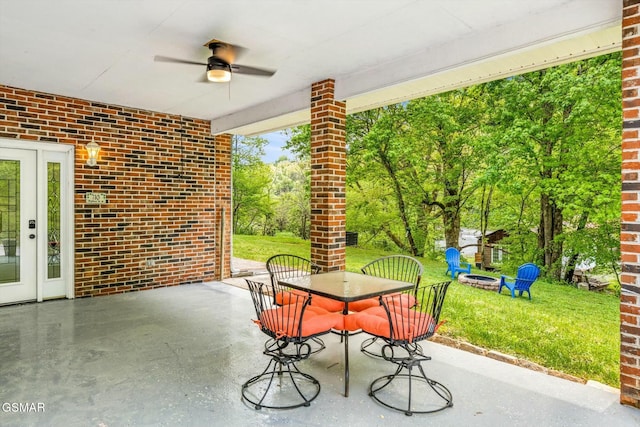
<point>349,322</point>
<point>284,320</point>
<point>407,324</point>
<point>405,300</point>
<point>364,304</point>
<point>327,303</point>
<point>292,296</point>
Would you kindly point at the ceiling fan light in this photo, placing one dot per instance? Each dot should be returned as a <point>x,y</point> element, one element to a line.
<point>218,75</point>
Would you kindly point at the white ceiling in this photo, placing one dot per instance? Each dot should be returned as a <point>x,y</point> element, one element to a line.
<point>378,51</point>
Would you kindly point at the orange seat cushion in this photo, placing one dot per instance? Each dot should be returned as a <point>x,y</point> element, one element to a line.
<point>293,296</point>
<point>327,303</point>
<point>284,320</point>
<point>349,322</point>
<point>407,324</point>
<point>290,297</point>
<point>405,300</point>
<point>364,304</point>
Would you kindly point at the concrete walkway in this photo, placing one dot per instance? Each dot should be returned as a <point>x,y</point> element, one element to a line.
<point>242,269</point>
<point>178,356</point>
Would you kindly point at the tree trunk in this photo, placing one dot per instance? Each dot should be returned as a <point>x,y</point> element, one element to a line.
<point>550,227</point>
<point>394,238</point>
<point>397,190</point>
<point>484,221</point>
<point>452,231</point>
<point>571,264</point>
<point>451,217</point>
<point>303,227</point>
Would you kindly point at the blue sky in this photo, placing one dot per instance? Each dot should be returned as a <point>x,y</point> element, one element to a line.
<point>274,149</point>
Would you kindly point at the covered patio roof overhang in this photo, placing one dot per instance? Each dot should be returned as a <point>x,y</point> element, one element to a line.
<point>505,51</point>
<point>378,52</point>
<point>332,58</point>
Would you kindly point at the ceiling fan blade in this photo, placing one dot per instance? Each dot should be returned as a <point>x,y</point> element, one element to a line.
<point>251,71</point>
<point>238,51</point>
<point>160,58</point>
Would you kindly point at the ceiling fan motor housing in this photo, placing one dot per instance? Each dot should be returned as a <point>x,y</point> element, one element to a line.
<point>223,51</point>
<point>215,63</point>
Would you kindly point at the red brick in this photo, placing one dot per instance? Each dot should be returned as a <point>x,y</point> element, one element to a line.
<point>328,185</point>
<point>138,190</point>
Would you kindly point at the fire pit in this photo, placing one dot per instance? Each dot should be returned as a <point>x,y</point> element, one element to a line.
<point>479,281</point>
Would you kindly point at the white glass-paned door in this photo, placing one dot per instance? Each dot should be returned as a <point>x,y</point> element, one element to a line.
<point>18,225</point>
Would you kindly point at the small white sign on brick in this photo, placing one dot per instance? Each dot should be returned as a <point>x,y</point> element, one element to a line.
<point>95,198</point>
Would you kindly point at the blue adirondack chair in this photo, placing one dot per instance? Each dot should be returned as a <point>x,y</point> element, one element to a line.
<point>527,274</point>
<point>452,255</point>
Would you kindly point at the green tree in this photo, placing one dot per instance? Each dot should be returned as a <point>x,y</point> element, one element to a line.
<point>252,207</point>
<point>447,133</point>
<point>291,191</point>
<point>561,132</point>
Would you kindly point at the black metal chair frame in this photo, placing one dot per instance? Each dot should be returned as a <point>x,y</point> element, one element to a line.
<point>283,266</point>
<point>430,301</point>
<point>284,352</point>
<point>395,267</point>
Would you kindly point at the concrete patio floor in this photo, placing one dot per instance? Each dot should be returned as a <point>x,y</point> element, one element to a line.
<point>178,356</point>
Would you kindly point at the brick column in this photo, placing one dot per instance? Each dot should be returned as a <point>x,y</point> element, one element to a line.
<point>223,202</point>
<point>328,173</point>
<point>630,219</point>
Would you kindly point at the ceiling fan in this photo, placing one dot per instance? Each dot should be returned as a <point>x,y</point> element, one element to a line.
<point>220,65</point>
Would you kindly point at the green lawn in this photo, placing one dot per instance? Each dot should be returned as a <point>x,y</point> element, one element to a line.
<point>563,328</point>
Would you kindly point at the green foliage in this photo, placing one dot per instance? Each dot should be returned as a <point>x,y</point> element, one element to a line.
<point>559,131</point>
<point>291,191</point>
<point>299,142</point>
<point>270,198</point>
<point>537,155</point>
<point>252,205</point>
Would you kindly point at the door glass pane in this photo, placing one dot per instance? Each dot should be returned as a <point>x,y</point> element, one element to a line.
<point>9,221</point>
<point>53,220</point>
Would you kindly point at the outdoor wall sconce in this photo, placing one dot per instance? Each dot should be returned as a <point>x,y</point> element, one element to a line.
<point>92,153</point>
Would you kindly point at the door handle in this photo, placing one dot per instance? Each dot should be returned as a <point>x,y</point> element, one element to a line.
<point>32,236</point>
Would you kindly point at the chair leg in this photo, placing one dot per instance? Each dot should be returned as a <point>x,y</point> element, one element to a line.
<point>321,346</point>
<point>295,388</point>
<point>432,395</point>
<point>366,348</point>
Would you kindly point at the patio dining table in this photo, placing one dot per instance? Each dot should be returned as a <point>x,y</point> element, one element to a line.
<point>346,287</point>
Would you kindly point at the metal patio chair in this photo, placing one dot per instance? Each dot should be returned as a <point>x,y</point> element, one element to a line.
<point>395,267</point>
<point>289,326</point>
<point>286,266</point>
<point>401,328</point>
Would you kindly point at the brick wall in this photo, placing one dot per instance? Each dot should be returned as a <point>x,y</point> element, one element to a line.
<point>223,190</point>
<point>165,178</point>
<point>328,173</point>
<point>630,220</point>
